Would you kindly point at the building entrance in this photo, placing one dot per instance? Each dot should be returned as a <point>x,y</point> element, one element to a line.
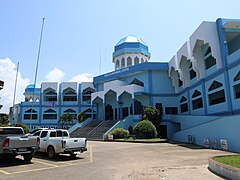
<point>108,112</point>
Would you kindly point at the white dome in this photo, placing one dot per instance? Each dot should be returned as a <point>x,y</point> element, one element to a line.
<point>131,39</point>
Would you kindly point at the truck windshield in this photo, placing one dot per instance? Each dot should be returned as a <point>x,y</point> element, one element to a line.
<point>11,131</point>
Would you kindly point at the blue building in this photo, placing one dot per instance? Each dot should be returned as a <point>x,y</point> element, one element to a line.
<point>198,89</point>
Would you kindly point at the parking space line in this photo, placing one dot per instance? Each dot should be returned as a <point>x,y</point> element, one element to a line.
<point>52,165</point>
<point>32,170</point>
<point>91,155</point>
<point>48,164</point>
<point>4,172</point>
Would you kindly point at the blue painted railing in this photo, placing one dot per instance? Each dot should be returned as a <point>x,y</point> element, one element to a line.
<point>77,125</point>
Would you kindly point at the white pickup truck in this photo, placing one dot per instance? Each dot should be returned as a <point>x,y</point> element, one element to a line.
<point>13,142</point>
<point>58,141</point>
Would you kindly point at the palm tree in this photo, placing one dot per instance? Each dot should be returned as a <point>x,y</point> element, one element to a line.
<point>62,119</point>
<point>67,118</point>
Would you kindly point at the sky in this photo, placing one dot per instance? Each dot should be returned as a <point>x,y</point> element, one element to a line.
<point>77,34</point>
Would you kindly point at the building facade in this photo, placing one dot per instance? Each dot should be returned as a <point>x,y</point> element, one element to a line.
<point>198,89</point>
<point>44,106</point>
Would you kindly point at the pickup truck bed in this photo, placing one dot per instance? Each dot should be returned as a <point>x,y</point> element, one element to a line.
<point>14,142</point>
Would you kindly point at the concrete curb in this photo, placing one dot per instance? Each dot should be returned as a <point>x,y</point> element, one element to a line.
<point>223,170</point>
<point>138,141</point>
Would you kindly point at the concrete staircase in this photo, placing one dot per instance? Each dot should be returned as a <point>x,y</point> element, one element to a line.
<point>94,130</point>
<point>83,131</point>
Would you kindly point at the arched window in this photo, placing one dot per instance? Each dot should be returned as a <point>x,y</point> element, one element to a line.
<point>86,95</point>
<point>215,85</point>
<point>72,112</point>
<point>196,94</point>
<point>142,60</point>
<point>89,112</point>
<point>136,60</point>
<point>183,104</point>
<point>50,114</point>
<point>197,100</point>
<point>122,62</point>
<point>129,61</point>
<point>69,94</point>
<point>27,114</point>
<point>117,64</point>
<point>208,58</point>
<point>217,94</point>
<point>237,77</point>
<point>137,82</point>
<point>236,86</point>
<point>50,95</point>
<point>192,73</point>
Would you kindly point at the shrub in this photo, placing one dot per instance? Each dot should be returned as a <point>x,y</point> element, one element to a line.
<point>37,127</point>
<point>82,117</point>
<point>24,126</point>
<point>145,130</point>
<point>4,125</point>
<point>119,133</point>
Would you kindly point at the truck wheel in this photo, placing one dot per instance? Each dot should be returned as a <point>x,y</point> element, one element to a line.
<point>27,157</point>
<point>51,152</point>
<point>73,155</point>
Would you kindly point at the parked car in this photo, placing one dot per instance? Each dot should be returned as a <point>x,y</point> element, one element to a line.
<point>14,142</point>
<point>38,129</point>
<point>58,141</point>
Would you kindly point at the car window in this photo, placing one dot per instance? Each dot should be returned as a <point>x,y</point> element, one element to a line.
<point>59,133</point>
<point>44,134</point>
<point>35,130</point>
<point>11,131</point>
<point>62,133</point>
<point>65,134</point>
<point>37,133</point>
<point>53,134</point>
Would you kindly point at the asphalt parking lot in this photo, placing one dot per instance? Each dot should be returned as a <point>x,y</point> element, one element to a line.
<point>116,160</point>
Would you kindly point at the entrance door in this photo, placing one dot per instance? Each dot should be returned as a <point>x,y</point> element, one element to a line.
<point>108,112</point>
<point>138,107</point>
<point>163,131</point>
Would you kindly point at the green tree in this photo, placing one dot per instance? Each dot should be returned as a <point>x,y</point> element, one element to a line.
<point>66,119</point>
<point>24,126</point>
<point>154,115</point>
<point>82,117</point>
<point>4,120</point>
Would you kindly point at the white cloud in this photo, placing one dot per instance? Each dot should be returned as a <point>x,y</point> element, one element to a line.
<point>8,75</point>
<point>56,75</point>
<point>84,77</point>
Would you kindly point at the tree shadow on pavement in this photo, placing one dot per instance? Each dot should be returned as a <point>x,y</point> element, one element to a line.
<point>189,146</point>
<point>58,158</point>
<point>9,162</point>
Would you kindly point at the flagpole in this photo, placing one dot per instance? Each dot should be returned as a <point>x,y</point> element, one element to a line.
<point>35,79</point>
<point>14,95</point>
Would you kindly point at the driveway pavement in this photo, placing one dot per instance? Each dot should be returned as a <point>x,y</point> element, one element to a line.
<point>117,160</point>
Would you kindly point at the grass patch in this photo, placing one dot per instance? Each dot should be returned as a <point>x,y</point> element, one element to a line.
<point>232,160</point>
